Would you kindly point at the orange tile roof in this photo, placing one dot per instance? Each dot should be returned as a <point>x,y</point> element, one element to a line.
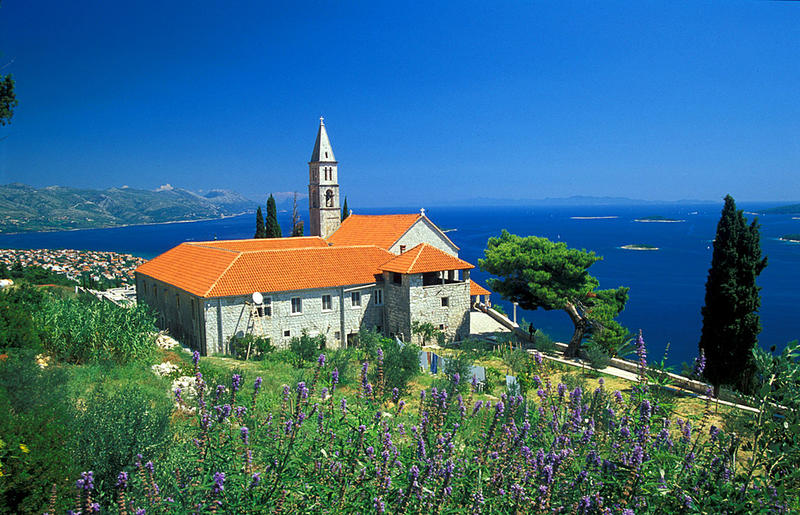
<point>380,230</point>
<point>264,243</point>
<point>424,258</point>
<point>477,289</point>
<point>193,268</point>
<point>210,271</point>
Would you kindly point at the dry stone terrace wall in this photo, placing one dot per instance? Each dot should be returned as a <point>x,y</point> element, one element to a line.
<point>234,314</point>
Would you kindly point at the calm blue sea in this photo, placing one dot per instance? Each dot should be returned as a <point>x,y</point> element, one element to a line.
<point>667,286</point>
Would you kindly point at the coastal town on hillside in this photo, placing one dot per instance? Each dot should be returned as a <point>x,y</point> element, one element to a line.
<point>99,265</point>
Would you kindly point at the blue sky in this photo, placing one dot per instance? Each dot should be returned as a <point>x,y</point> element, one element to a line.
<point>423,102</point>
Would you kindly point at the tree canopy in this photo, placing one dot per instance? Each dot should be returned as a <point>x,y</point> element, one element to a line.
<point>272,226</point>
<point>538,273</point>
<point>730,315</point>
<point>261,229</point>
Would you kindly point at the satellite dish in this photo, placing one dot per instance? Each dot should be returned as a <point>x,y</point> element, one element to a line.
<point>258,298</point>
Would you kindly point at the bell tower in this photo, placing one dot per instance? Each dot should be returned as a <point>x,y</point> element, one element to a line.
<point>323,186</point>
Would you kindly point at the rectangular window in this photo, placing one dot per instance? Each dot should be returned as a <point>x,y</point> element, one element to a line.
<point>287,333</point>
<point>378,297</point>
<point>445,301</point>
<point>355,298</point>
<point>297,305</point>
<point>267,307</point>
<point>327,305</point>
<point>337,335</point>
<point>441,327</point>
<point>397,278</point>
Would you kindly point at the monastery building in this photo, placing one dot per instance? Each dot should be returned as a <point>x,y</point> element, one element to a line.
<point>381,272</point>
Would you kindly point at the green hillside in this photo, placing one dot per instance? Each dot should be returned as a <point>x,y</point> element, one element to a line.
<point>24,208</point>
<point>791,209</point>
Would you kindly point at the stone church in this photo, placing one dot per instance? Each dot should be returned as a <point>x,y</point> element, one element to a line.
<point>381,272</point>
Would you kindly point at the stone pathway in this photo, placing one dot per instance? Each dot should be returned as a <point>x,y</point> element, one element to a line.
<point>481,324</point>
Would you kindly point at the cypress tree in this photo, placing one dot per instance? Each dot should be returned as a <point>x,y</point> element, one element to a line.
<point>261,230</point>
<point>345,211</point>
<point>730,315</point>
<point>273,229</point>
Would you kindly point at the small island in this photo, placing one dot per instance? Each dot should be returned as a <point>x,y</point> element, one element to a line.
<point>794,238</point>
<point>638,246</point>
<point>659,219</point>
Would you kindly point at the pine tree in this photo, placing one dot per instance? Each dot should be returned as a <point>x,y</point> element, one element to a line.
<point>730,315</point>
<point>261,230</point>
<point>345,211</point>
<point>272,226</point>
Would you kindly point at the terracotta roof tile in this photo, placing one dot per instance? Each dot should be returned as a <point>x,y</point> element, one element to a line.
<point>297,269</point>
<point>425,258</point>
<point>210,271</point>
<point>193,268</point>
<point>380,230</point>
<point>477,289</point>
<point>264,243</point>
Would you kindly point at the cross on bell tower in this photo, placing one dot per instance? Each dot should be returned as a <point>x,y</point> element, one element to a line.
<point>323,186</point>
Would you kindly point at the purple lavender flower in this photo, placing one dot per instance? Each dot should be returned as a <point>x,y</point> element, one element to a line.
<point>122,480</point>
<point>335,377</point>
<point>178,396</point>
<point>645,410</point>
<point>255,480</point>
<point>219,392</point>
<point>344,405</point>
<point>245,433</point>
<point>618,396</point>
<point>86,482</point>
<point>456,379</point>
<point>380,506</point>
<point>141,511</point>
<point>395,394</point>
<point>302,390</point>
<point>257,385</point>
<point>236,382</point>
<point>321,360</point>
<point>699,364</point>
<point>219,482</point>
<point>641,351</point>
<point>196,359</point>
<point>95,507</point>
<point>149,466</point>
<point>380,354</point>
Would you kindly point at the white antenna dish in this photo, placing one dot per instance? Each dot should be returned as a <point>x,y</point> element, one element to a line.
<point>258,298</point>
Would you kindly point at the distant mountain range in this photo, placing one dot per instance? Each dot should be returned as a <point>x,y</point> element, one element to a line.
<point>24,208</point>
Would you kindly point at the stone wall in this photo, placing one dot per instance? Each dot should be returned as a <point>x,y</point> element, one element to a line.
<point>282,325</point>
<point>423,231</point>
<point>398,316</point>
<point>177,311</point>
<point>426,306</point>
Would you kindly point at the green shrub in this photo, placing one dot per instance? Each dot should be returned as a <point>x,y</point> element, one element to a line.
<point>342,360</point>
<point>543,342</point>
<point>306,348</point>
<point>35,428</point>
<point>460,364</point>
<point>81,331</point>
<point>17,330</point>
<point>400,364</point>
<point>113,428</point>
<point>259,346</point>
<point>597,357</point>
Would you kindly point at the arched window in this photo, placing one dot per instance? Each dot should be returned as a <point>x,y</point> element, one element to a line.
<point>329,198</point>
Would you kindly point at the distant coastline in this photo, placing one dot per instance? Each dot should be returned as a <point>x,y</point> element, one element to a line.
<point>793,238</point>
<point>117,226</point>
